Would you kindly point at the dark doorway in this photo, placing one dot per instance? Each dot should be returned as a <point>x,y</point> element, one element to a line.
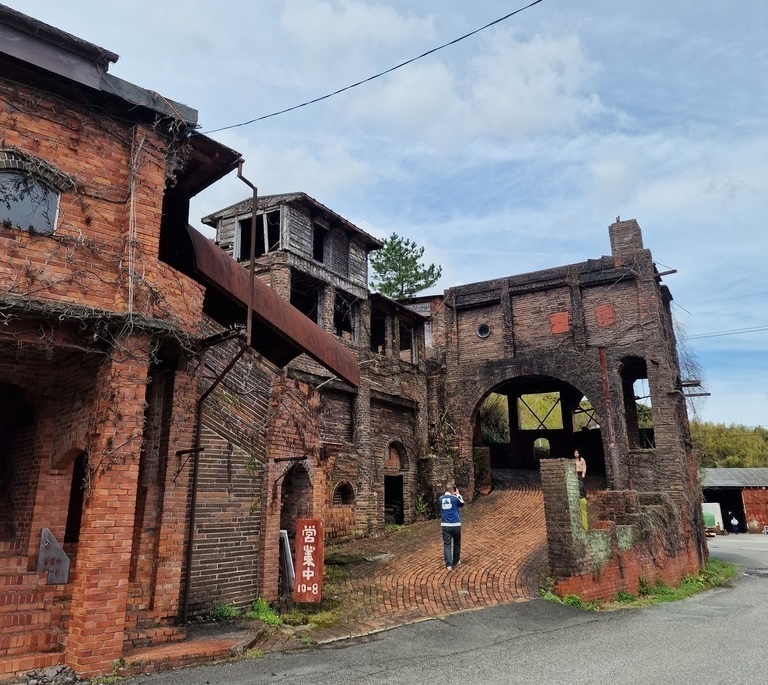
<point>76,497</point>
<point>393,500</point>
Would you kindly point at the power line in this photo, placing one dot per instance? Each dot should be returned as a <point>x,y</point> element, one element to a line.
<point>735,331</point>
<point>375,76</point>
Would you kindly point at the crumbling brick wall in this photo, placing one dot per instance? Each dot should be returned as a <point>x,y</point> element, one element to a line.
<point>632,539</point>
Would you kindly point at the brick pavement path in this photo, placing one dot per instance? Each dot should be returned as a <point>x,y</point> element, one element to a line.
<point>503,560</point>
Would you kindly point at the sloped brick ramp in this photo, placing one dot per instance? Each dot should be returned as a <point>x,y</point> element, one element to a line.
<point>400,578</point>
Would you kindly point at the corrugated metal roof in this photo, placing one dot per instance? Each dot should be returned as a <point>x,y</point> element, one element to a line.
<point>734,478</point>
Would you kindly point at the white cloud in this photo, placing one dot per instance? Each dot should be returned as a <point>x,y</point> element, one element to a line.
<point>349,37</point>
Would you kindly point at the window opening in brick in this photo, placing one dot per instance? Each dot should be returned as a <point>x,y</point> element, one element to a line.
<point>343,494</point>
<point>345,316</point>
<point>584,416</point>
<point>638,411</point>
<point>483,330</point>
<point>318,243</point>
<point>407,343</point>
<point>26,203</point>
<point>76,497</point>
<point>541,449</point>
<point>540,411</point>
<point>378,332</point>
<point>306,295</point>
<point>267,235</point>
<point>492,424</point>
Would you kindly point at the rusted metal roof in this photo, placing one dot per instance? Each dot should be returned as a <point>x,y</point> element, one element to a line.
<point>281,332</point>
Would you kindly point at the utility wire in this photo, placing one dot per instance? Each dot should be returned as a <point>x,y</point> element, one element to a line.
<point>375,76</point>
<point>735,331</point>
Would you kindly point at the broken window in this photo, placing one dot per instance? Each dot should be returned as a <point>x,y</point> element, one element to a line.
<point>345,316</point>
<point>318,242</point>
<point>584,416</point>
<point>26,203</point>
<point>267,235</point>
<point>407,343</point>
<point>540,411</point>
<point>638,413</point>
<point>378,332</point>
<point>306,296</point>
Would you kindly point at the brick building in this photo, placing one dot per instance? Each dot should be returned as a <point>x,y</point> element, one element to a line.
<point>594,338</point>
<point>374,436</point>
<point>165,413</point>
<point>144,415</point>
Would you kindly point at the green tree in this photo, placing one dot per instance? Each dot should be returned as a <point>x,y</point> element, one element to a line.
<point>398,271</point>
<point>718,445</point>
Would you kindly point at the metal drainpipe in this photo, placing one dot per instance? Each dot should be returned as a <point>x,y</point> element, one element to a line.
<point>204,396</point>
<point>195,472</point>
<point>252,256</point>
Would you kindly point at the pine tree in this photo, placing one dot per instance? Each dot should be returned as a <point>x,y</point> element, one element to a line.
<point>397,269</point>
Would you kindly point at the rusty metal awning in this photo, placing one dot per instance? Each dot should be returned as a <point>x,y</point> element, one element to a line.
<point>280,331</point>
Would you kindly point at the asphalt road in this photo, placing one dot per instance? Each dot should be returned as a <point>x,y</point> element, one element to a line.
<point>716,637</point>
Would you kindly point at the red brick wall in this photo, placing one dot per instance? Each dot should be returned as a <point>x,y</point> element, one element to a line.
<point>631,538</point>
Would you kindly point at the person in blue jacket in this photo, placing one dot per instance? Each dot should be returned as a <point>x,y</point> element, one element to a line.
<point>450,523</point>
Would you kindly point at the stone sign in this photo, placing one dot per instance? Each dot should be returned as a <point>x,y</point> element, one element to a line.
<point>52,559</point>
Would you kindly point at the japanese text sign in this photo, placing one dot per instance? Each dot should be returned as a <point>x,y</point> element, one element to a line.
<point>308,587</point>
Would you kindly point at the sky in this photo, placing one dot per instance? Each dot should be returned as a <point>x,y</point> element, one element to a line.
<point>507,152</point>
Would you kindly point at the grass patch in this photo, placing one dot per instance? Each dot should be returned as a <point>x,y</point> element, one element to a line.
<point>716,574</point>
<point>261,610</point>
<point>219,612</point>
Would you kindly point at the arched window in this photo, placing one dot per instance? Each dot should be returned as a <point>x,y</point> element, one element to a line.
<point>343,494</point>
<point>29,192</point>
<point>26,202</point>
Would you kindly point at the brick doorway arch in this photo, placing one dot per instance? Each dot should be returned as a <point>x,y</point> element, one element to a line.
<point>518,416</point>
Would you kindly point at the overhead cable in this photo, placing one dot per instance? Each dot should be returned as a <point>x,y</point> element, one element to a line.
<point>375,76</point>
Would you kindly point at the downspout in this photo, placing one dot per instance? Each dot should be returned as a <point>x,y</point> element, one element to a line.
<point>199,413</point>
<point>252,255</point>
<point>195,473</point>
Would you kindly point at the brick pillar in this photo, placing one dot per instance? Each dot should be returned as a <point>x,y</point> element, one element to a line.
<point>100,588</point>
<point>565,536</point>
<point>292,432</point>
<point>269,541</point>
<point>172,527</point>
<point>370,466</point>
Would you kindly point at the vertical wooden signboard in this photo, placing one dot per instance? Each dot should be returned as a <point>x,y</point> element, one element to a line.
<point>308,587</point>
